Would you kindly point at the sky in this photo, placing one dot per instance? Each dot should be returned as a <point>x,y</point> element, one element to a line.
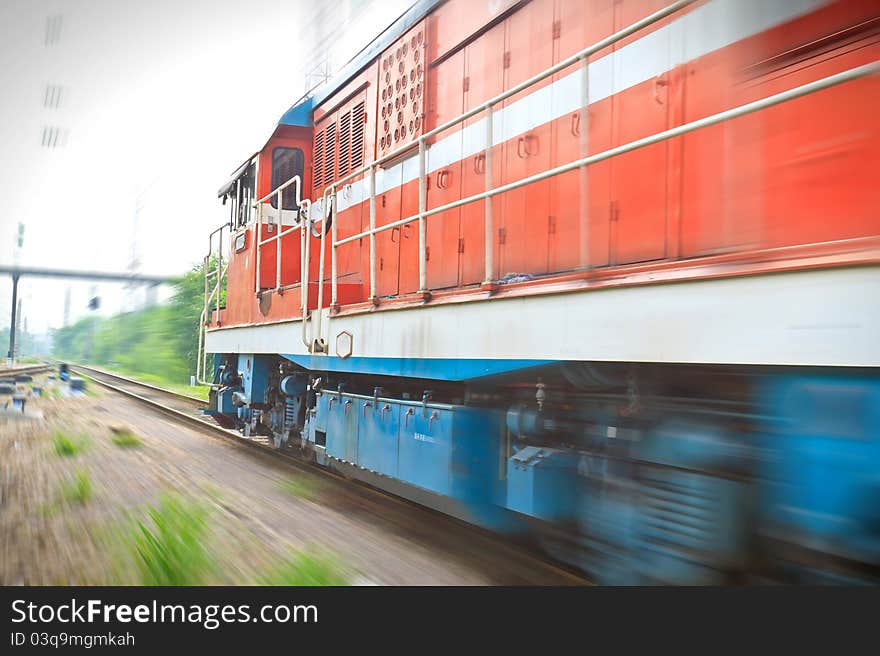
<point>147,108</point>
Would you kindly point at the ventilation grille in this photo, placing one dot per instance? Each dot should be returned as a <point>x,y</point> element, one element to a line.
<point>339,147</point>
<point>681,515</point>
<point>351,139</point>
<point>330,153</point>
<point>401,81</point>
<point>358,122</point>
<point>344,143</point>
<point>319,161</point>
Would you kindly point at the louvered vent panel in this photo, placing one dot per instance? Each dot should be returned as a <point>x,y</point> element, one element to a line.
<point>681,516</point>
<point>330,155</point>
<point>357,135</point>
<point>319,160</point>
<point>344,143</point>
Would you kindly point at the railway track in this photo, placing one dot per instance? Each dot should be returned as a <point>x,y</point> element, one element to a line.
<point>11,373</point>
<point>187,410</point>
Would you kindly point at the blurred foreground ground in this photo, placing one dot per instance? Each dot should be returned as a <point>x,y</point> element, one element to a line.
<point>77,474</point>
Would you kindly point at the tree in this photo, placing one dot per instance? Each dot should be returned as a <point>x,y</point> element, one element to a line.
<point>161,340</point>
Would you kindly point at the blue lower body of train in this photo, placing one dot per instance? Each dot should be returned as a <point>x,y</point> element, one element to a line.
<point>636,474</point>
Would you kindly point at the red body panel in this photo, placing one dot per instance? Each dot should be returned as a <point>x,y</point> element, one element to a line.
<point>797,174</point>
<point>443,230</point>
<point>484,73</point>
<point>578,234</point>
<point>524,221</point>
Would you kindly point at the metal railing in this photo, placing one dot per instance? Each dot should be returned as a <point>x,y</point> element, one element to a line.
<point>486,107</point>
<point>303,219</point>
<point>580,163</point>
<point>214,295</point>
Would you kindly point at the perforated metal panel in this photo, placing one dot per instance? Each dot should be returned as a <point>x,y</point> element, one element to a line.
<point>401,91</point>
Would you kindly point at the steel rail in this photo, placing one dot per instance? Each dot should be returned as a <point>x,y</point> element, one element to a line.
<point>15,371</point>
<point>110,374</point>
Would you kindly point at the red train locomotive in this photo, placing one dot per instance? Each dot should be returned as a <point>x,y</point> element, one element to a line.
<point>603,271</point>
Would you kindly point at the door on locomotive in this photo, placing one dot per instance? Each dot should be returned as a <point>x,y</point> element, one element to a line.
<point>484,76</point>
<point>525,215</point>
<point>640,109</point>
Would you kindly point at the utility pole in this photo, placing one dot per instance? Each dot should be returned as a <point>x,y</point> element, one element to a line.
<point>10,356</point>
<point>20,331</point>
<point>94,304</point>
<point>12,322</point>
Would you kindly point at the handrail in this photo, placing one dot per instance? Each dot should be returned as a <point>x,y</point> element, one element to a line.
<point>278,234</point>
<point>304,208</point>
<point>573,59</point>
<point>281,188</point>
<point>580,163</point>
<point>763,103</point>
<point>220,273</point>
<point>582,56</point>
<point>302,223</point>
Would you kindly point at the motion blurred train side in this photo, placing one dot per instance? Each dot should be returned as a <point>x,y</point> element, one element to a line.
<point>627,310</point>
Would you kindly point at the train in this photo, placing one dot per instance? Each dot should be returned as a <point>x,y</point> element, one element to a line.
<point>600,275</point>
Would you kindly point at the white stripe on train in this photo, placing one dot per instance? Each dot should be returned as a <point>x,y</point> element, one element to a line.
<point>809,318</point>
<point>709,27</point>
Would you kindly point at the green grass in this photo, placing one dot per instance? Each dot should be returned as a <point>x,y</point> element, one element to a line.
<point>79,490</point>
<point>125,438</point>
<point>76,492</point>
<point>302,488</point>
<point>92,390</point>
<point>305,568</point>
<point>170,546</point>
<point>68,445</point>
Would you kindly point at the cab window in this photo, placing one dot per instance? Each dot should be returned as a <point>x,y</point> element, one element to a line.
<point>286,163</point>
